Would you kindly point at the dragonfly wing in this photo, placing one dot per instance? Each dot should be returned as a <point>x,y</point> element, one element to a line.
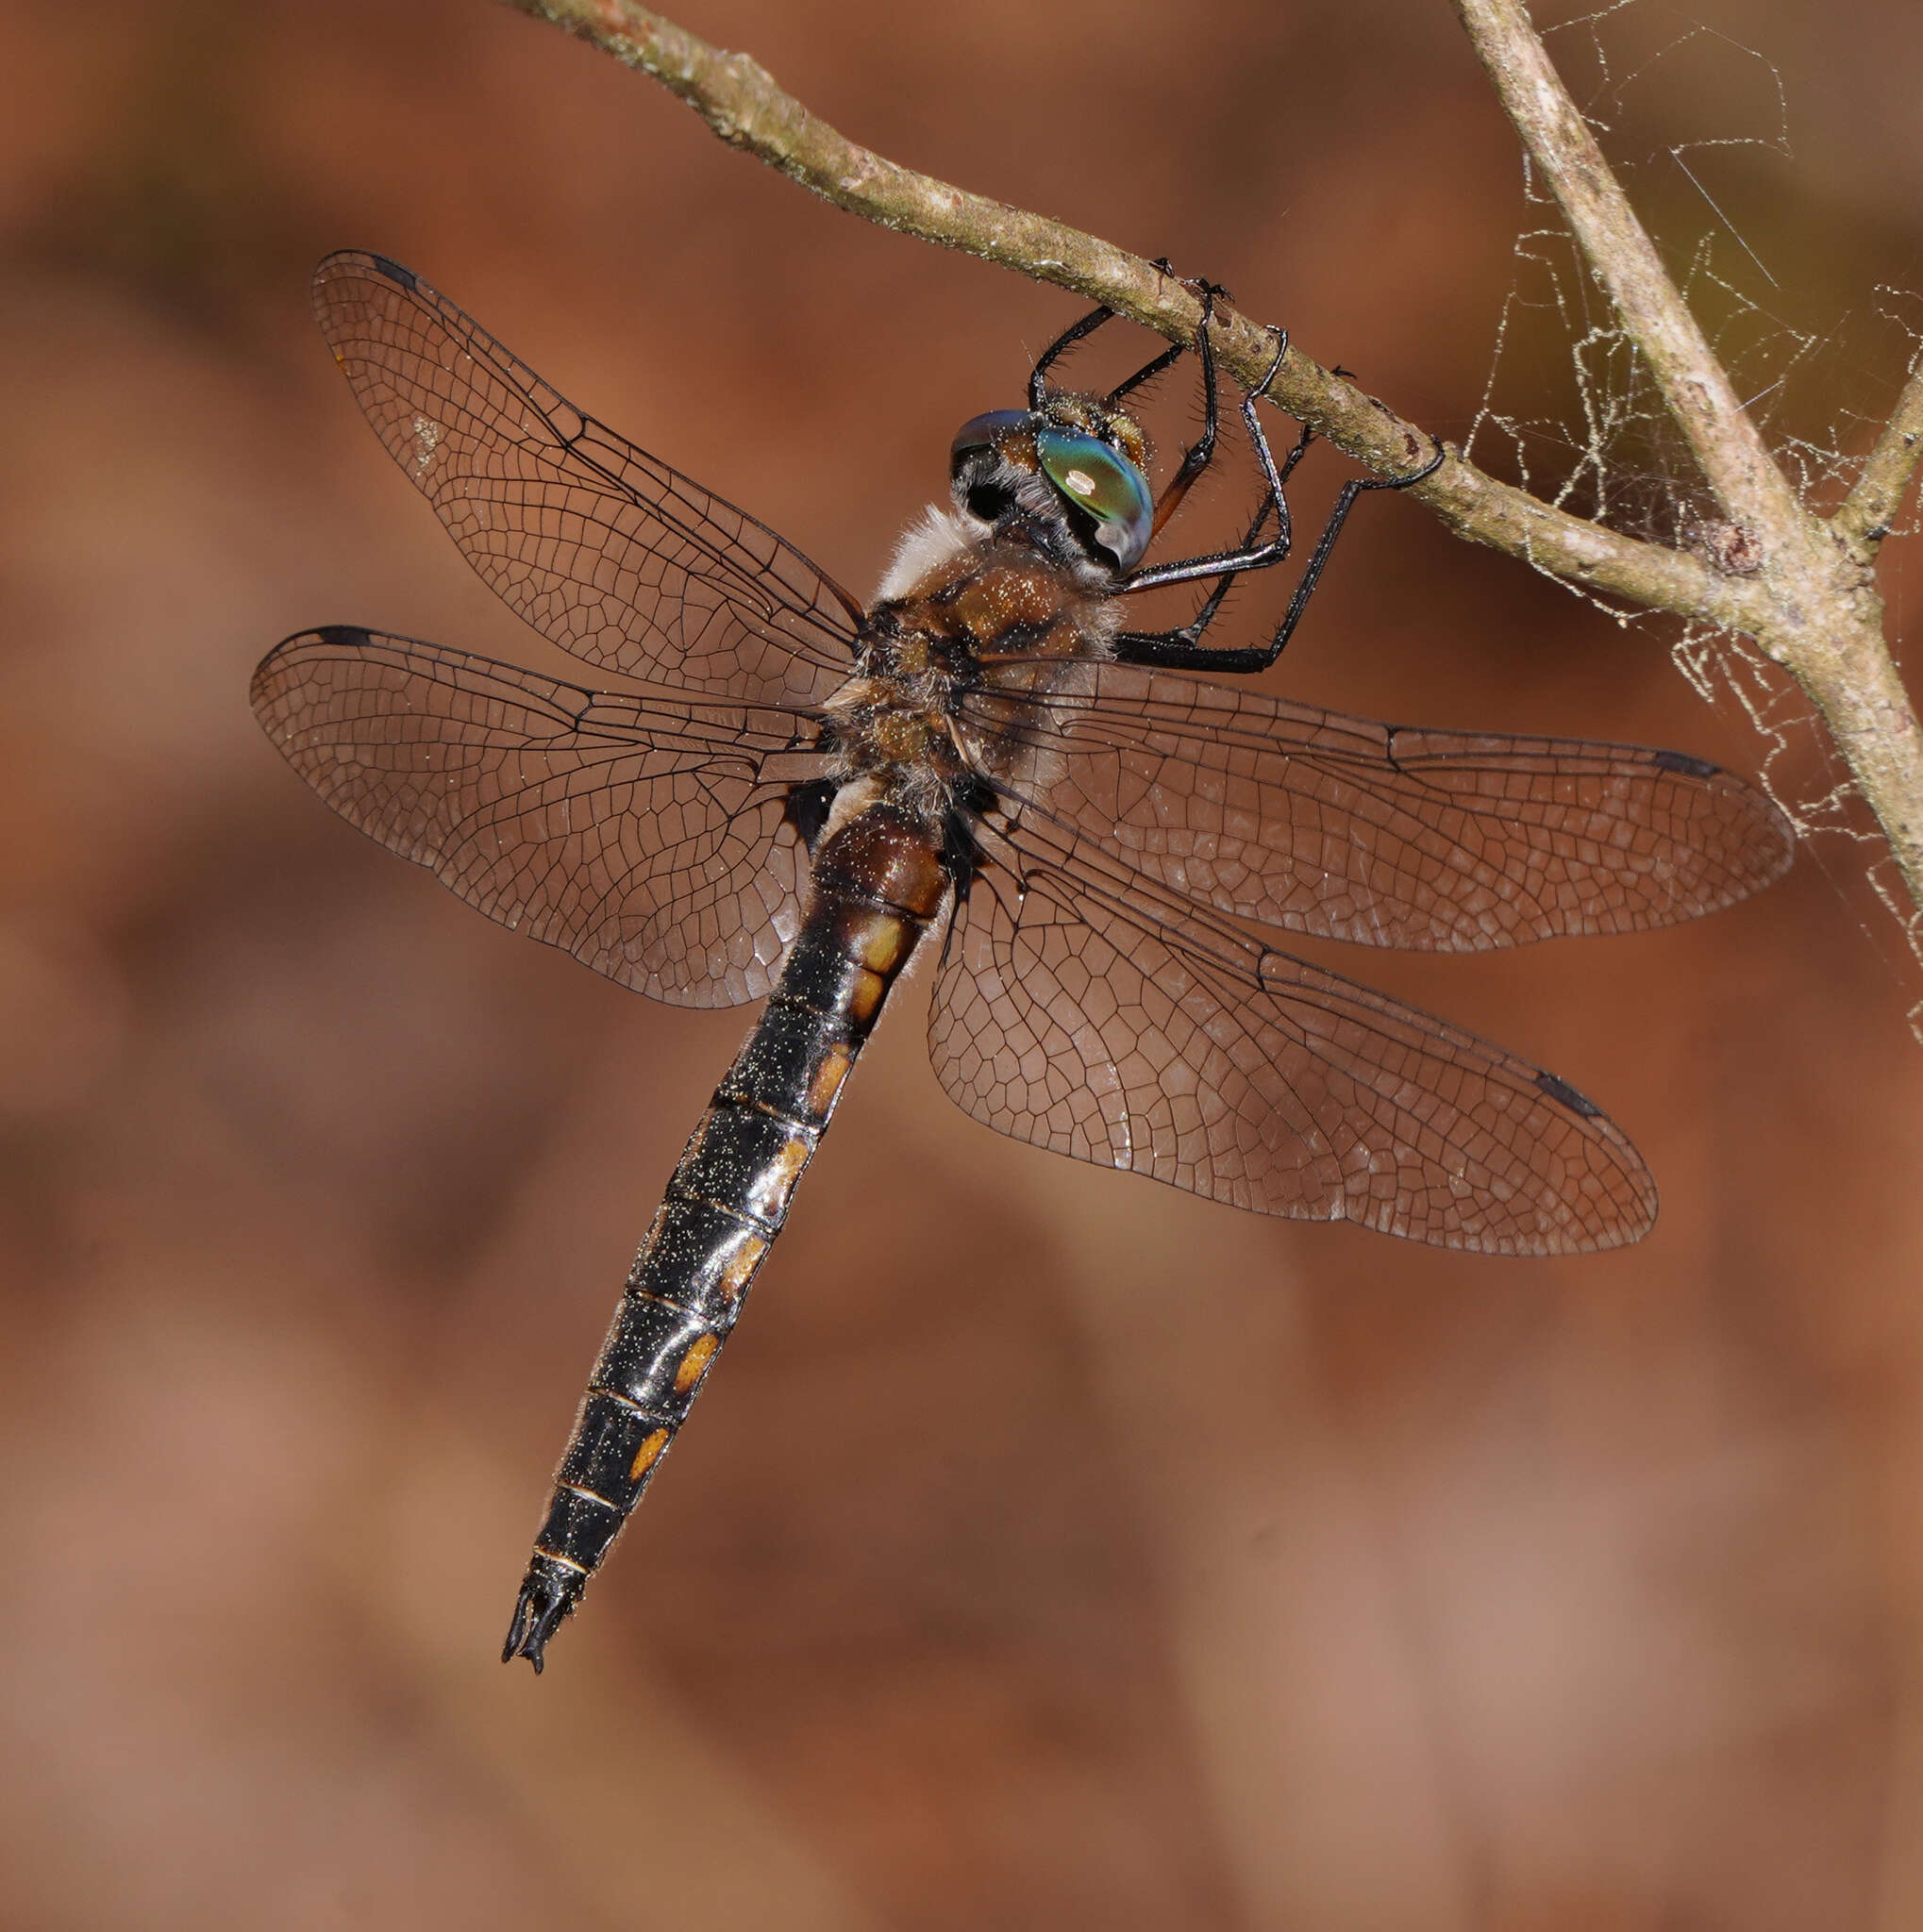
<point>1094,1014</point>
<point>602,548</point>
<point>648,837</point>
<point>1317,823</point>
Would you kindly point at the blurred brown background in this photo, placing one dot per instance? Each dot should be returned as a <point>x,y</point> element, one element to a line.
<point>1050,1549</point>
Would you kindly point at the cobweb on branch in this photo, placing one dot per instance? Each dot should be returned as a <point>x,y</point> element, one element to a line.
<point>1570,411</point>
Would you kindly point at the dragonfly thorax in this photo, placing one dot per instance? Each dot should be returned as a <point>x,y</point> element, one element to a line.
<point>963,597</point>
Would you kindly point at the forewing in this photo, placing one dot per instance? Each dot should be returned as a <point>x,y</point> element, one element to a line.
<point>1091,1015</point>
<point>602,549</point>
<point>1317,822</point>
<point>648,837</point>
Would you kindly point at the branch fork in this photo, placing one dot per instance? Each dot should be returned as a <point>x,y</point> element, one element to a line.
<point>1802,586</point>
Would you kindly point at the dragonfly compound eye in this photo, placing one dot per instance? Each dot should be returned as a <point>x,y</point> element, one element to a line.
<point>980,432</point>
<point>1103,484</point>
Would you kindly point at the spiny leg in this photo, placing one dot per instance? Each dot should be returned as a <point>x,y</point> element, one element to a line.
<point>1077,331</point>
<point>1067,338</point>
<point>1176,649</point>
<point>1148,371</point>
<point>1185,638</point>
<point>1180,646</point>
<point>1251,554</point>
<point>1176,351</point>
<point>1201,453</point>
<point>1344,502</point>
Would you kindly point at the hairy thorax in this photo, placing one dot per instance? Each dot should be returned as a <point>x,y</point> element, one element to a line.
<point>970,618</point>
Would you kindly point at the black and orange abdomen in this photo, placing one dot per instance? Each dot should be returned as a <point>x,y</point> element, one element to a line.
<point>878,882</point>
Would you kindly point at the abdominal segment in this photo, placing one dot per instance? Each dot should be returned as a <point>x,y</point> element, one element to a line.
<point>879,880</point>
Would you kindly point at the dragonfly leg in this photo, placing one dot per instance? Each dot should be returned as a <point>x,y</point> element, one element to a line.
<point>1250,554</point>
<point>1178,648</point>
<point>1075,332</point>
<point>1200,453</point>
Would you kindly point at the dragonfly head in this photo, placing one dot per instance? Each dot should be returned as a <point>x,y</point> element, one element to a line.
<point>1075,464</point>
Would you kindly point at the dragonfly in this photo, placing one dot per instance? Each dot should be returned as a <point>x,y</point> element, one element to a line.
<point>770,792</point>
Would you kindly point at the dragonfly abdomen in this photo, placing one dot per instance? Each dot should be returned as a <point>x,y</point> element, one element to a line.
<point>878,882</point>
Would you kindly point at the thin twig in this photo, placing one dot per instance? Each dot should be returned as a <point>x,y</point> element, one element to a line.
<point>1811,603</point>
<point>1821,615</point>
<point>1868,512</point>
<point>740,103</point>
<point>1721,435</point>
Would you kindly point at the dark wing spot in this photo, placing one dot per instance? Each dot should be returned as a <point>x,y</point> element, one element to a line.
<point>1682,761</point>
<point>396,273</point>
<point>343,637</point>
<point>1561,1090</point>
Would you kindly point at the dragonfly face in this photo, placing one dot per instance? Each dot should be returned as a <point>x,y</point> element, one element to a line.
<point>1072,472</point>
<point>771,792</point>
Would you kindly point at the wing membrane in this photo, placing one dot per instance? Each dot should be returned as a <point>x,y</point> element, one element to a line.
<point>1097,1016</point>
<point>647,836</point>
<point>602,549</point>
<point>1437,840</point>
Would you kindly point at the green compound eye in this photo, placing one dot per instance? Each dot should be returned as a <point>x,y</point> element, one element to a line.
<point>1106,484</point>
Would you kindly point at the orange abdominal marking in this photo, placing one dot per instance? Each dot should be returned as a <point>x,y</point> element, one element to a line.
<point>768,1193</point>
<point>828,1079</point>
<point>880,941</point>
<point>650,1451</point>
<point>865,995</point>
<point>694,1365</point>
<point>740,1270</point>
